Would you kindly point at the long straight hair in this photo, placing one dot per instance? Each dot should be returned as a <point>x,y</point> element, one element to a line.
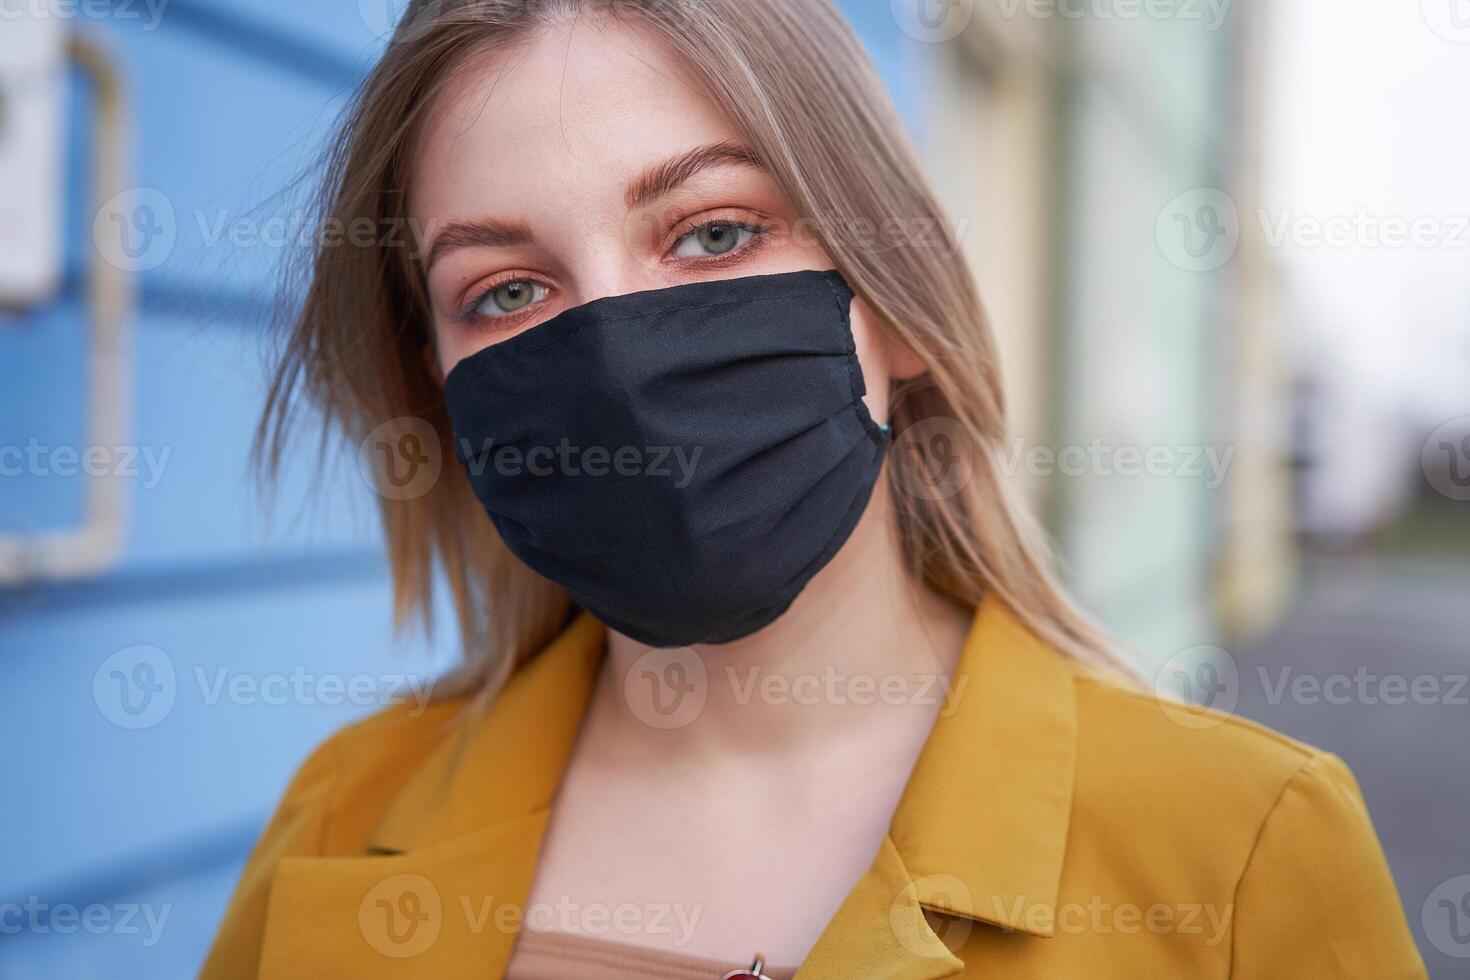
<point>795,81</point>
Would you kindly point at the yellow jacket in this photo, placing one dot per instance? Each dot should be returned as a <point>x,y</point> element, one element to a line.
<point>1056,826</point>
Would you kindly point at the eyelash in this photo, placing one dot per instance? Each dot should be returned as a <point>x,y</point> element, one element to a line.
<point>468,314</point>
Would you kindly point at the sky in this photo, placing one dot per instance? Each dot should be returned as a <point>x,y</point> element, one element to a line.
<point>1368,135</point>
<point>1370,125</point>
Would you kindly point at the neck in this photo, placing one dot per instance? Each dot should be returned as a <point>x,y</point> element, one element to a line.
<point>866,652</point>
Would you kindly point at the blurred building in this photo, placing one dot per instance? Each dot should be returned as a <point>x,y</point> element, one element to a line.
<point>1097,166</point>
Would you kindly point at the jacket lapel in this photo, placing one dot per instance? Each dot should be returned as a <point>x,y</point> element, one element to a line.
<point>881,931</point>
<point>438,888</point>
<point>448,910</point>
<point>980,833</point>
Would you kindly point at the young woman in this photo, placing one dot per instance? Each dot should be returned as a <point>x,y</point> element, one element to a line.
<point>767,675</point>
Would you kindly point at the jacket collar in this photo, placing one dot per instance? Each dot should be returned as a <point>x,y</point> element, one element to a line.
<point>982,825</point>
<point>980,832</point>
<point>443,877</point>
<point>504,762</point>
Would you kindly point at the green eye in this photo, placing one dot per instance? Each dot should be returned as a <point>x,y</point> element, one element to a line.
<point>510,297</point>
<point>718,238</point>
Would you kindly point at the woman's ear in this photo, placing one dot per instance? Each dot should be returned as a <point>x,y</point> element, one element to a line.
<point>903,363</point>
<point>900,360</point>
<point>885,357</point>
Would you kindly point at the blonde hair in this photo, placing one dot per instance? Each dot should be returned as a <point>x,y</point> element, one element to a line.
<point>795,81</point>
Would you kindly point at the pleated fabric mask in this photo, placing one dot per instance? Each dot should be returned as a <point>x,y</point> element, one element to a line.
<point>681,461</point>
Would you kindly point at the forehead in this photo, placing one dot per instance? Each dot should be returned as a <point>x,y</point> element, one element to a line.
<point>568,114</point>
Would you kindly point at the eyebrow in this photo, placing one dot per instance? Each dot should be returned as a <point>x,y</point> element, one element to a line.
<point>662,178</point>
<point>651,184</point>
<point>484,233</point>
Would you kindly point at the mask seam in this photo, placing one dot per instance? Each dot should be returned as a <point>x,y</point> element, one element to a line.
<point>854,368</point>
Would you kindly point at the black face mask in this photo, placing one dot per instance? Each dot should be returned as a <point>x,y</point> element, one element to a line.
<point>681,461</point>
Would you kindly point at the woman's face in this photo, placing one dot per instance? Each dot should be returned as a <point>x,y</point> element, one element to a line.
<point>583,165</point>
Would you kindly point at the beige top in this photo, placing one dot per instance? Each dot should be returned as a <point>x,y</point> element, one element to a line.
<point>563,956</point>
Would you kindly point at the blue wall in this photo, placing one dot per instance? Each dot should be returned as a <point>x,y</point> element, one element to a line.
<point>141,822</point>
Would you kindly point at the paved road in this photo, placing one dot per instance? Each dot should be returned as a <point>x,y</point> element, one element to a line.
<point>1372,621</point>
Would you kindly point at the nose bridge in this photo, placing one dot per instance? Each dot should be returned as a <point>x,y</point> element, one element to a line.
<point>606,276</point>
<point>610,255</point>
